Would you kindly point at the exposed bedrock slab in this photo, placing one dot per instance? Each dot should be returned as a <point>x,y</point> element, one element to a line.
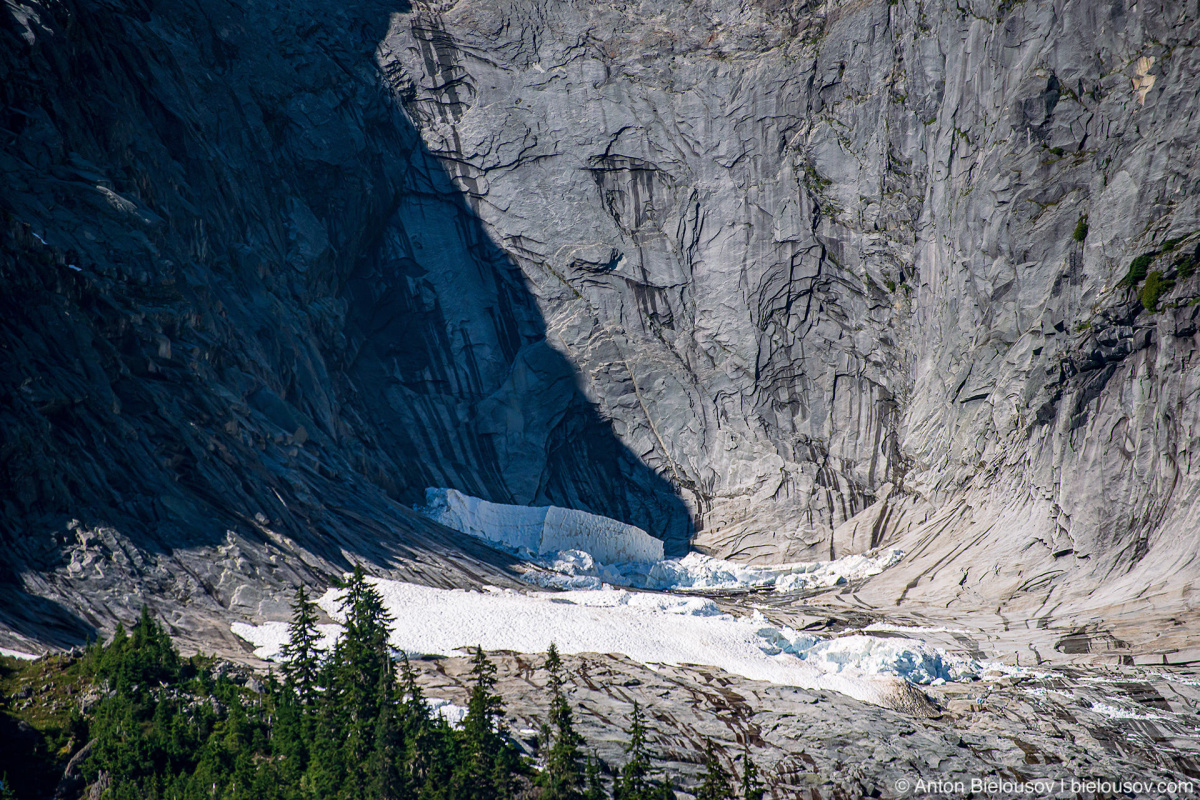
<point>1136,726</point>
<point>242,307</point>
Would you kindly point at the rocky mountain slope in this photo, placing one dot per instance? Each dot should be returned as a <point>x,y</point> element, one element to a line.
<point>783,280</point>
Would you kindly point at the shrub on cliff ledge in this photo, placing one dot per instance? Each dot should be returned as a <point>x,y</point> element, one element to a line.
<point>1137,270</point>
<point>1156,286</point>
<point>1081,229</point>
<point>1187,264</point>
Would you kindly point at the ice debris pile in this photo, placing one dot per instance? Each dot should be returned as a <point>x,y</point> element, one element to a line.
<point>650,629</point>
<point>584,551</point>
<point>574,569</point>
<point>541,530</point>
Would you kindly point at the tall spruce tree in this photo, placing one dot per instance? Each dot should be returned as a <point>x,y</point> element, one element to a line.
<point>325,772</point>
<point>289,735</point>
<point>715,782</point>
<point>385,773</point>
<point>361,661</point>
<point>594,789</point>
<point>634,781</point>
<point>416,722</point>
<point>302,656</point>
<point>481,773</point>
<point>752,785</point>
<point>562,778</point>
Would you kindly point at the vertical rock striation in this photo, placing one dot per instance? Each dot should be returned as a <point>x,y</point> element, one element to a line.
<point>851,272</point>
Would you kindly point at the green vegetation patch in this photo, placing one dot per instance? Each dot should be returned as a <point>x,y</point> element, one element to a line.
<point>1156,286</point>
<point>1137,269</point>
<point>40,725</point>
<point>1081,229</point>
<point>1171,244</point>
<point>1186,265</point>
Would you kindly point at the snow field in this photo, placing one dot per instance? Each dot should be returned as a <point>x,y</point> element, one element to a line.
<point>4,651</point>
<point>648,628</point>
<point>698,571</point>
<point>589,554</point>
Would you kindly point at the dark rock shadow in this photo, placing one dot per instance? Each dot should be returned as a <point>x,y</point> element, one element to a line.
<point>238,294</point>
<point>41,619</point>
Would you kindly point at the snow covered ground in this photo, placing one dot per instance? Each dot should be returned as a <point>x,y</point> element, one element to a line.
<point>591,555</point>
<point>577,569</point>
<point>4,651</point>
<point>454,714</point>
<point>649,628</point>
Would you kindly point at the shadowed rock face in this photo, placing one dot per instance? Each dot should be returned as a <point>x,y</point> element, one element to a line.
<point>247,318</point>
<point>800,277</point>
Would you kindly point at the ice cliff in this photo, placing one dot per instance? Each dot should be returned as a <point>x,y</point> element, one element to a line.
<point>543,530</point>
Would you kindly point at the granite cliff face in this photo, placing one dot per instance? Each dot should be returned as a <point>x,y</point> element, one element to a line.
<point>850,273</point>
<point>799,279</point>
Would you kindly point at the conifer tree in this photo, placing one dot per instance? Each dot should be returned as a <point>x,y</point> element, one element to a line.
<point>384,769</point>
<point>301,653</point>
<point>715,783</point>
<point>482,756</point>
<point>157,661</point>
<point>416,722</point>
<point>634,781</point>
<point>594,788</point>
<point>289,737</point>
<point>326,767</point>
<point>562,778</point>
<point>752,786</point>
<point>361,662</point>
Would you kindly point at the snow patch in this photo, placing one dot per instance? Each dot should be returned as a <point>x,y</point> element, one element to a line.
<point>581,551</point>
<point>453,714</point>
<point>577,569</point>
<point>7,653</point>
<point>1114,712</point>
<point>887,627</point>
<point>648,628</point>
<point>541,530</point>
<point>270,637</point>
<point>915,661</point>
